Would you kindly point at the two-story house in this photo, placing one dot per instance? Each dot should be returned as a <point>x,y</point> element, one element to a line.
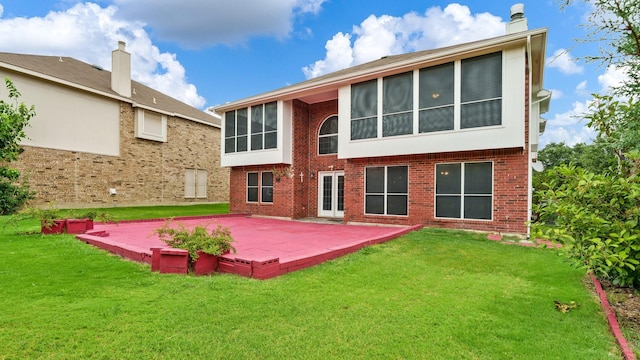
<point>100,139</point>
<point>444,137</point>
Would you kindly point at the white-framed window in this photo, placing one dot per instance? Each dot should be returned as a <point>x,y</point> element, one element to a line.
<point>150,125</point>
<point>457,95</point>
<point>481,91</point>
<point>364,110</point>
<point>386,190</point>
<point>260,187</point>
<point>195,183</point>
<point>251,129</point>
<point>328,136</point>
<point>264,126</point>
<point>235,131</point>
<point>397,104</point>
<point>436,99</point>
<point>464,190</point>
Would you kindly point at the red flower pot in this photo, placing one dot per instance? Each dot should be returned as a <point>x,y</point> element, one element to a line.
<point>56,228</point>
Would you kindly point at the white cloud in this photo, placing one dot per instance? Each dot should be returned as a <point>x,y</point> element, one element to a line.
<point>339,56</point>
<point>569,127</point>
<point>581,88</point>
<point>198,23</point>
<point>562,60</point>
<point>388,35</point>
<point>612,77</point>
<point>89,33</point>
<point>556,94</point>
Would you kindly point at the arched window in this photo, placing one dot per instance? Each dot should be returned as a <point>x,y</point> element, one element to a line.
<point>328,137</point>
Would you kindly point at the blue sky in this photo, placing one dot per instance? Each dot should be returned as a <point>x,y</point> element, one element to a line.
<point>208,52</point>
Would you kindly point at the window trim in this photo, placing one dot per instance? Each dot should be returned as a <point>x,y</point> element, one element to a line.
<point>385,193</point>
<point>462,193</point>
<point>259,187</point>
<point>327,135</point>
<point>196,184</point>
<point>262,133</point>
<point>141,131</point>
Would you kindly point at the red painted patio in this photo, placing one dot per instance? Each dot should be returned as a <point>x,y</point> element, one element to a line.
<point>266,247</point>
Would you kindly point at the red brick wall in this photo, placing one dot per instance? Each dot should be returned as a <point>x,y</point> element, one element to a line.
<point>509,199</point>
<point>297,197</point>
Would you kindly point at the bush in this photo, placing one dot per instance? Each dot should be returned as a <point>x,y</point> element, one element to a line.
<point>595,218</point>
<point>216,242</point>
<point>13,196</point>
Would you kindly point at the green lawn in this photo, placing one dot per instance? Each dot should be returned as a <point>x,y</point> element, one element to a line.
<point>432,294</point>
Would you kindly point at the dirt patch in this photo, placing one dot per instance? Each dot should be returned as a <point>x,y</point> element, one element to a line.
<point>626,304</point>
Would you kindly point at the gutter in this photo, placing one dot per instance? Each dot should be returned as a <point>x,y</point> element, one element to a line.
<point>332,83</point>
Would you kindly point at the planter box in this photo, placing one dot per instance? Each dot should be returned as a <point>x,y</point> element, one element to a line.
<point>89,224</point>
<point>174,261</point>
<point>205,264</point>
<point>56,228</point>
<point>76,226</point>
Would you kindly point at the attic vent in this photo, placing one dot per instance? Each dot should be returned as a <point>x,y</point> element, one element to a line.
<point>133,90</point>
<point>60,59</point>
<point>97,67</point>
<point>154,101</point>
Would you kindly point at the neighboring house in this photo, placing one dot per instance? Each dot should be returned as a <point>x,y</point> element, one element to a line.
<point>443,137</point>
<point>100,139</point>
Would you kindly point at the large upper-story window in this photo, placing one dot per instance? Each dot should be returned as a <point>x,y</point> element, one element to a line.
<point>235,130</point>
<point>481,99</point>
<point>264,126</point>
<point>364,110</point>
<point>397,104</point>
<point>452,96</point>
<point>328,136</point>
<point>263,120</point>
<point>436,98</point>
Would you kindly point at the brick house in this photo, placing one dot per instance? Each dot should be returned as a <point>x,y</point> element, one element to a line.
<point>443,137</point>
<point>100,139</point>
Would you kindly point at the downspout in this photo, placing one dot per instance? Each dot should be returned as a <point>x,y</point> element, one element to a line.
<point>528,147</point>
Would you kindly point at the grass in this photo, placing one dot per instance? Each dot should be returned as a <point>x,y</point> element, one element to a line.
<point>433,294</point>
<point>153,212</point>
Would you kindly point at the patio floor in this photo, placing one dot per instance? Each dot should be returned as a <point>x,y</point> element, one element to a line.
<point>266,247</point>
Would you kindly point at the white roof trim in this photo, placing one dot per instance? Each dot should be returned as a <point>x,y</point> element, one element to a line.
<point>295,91</point>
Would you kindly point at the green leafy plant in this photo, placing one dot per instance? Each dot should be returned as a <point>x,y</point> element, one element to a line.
<point>100,216</point>
<point>46,216</point>
<point>595,217</point>
<point>14,117</point>
<point>199,238</point>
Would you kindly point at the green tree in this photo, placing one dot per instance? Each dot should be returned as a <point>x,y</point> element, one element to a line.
<point>14,117</point>
<point>595,213</point>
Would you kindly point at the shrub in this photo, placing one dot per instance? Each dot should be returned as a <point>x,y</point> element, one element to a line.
<point>13,196</point>
<point>595,218</point>
<point>216,242</point>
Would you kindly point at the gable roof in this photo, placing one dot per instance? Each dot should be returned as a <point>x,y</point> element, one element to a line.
<point>74,73</point>
<point>329,83</point>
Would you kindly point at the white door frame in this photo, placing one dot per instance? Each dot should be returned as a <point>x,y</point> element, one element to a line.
<point>333,211</point>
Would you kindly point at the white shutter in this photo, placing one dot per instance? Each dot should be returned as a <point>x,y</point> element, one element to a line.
<point>189,183</point>
<point>201,184</point>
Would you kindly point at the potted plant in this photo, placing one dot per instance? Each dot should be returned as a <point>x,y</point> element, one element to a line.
<point>51,221</point>
<point>203,245</point>
<point>93,215</point>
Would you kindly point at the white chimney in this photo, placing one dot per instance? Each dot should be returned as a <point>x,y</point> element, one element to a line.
<point>121,70</point>
<point>517,22</point>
